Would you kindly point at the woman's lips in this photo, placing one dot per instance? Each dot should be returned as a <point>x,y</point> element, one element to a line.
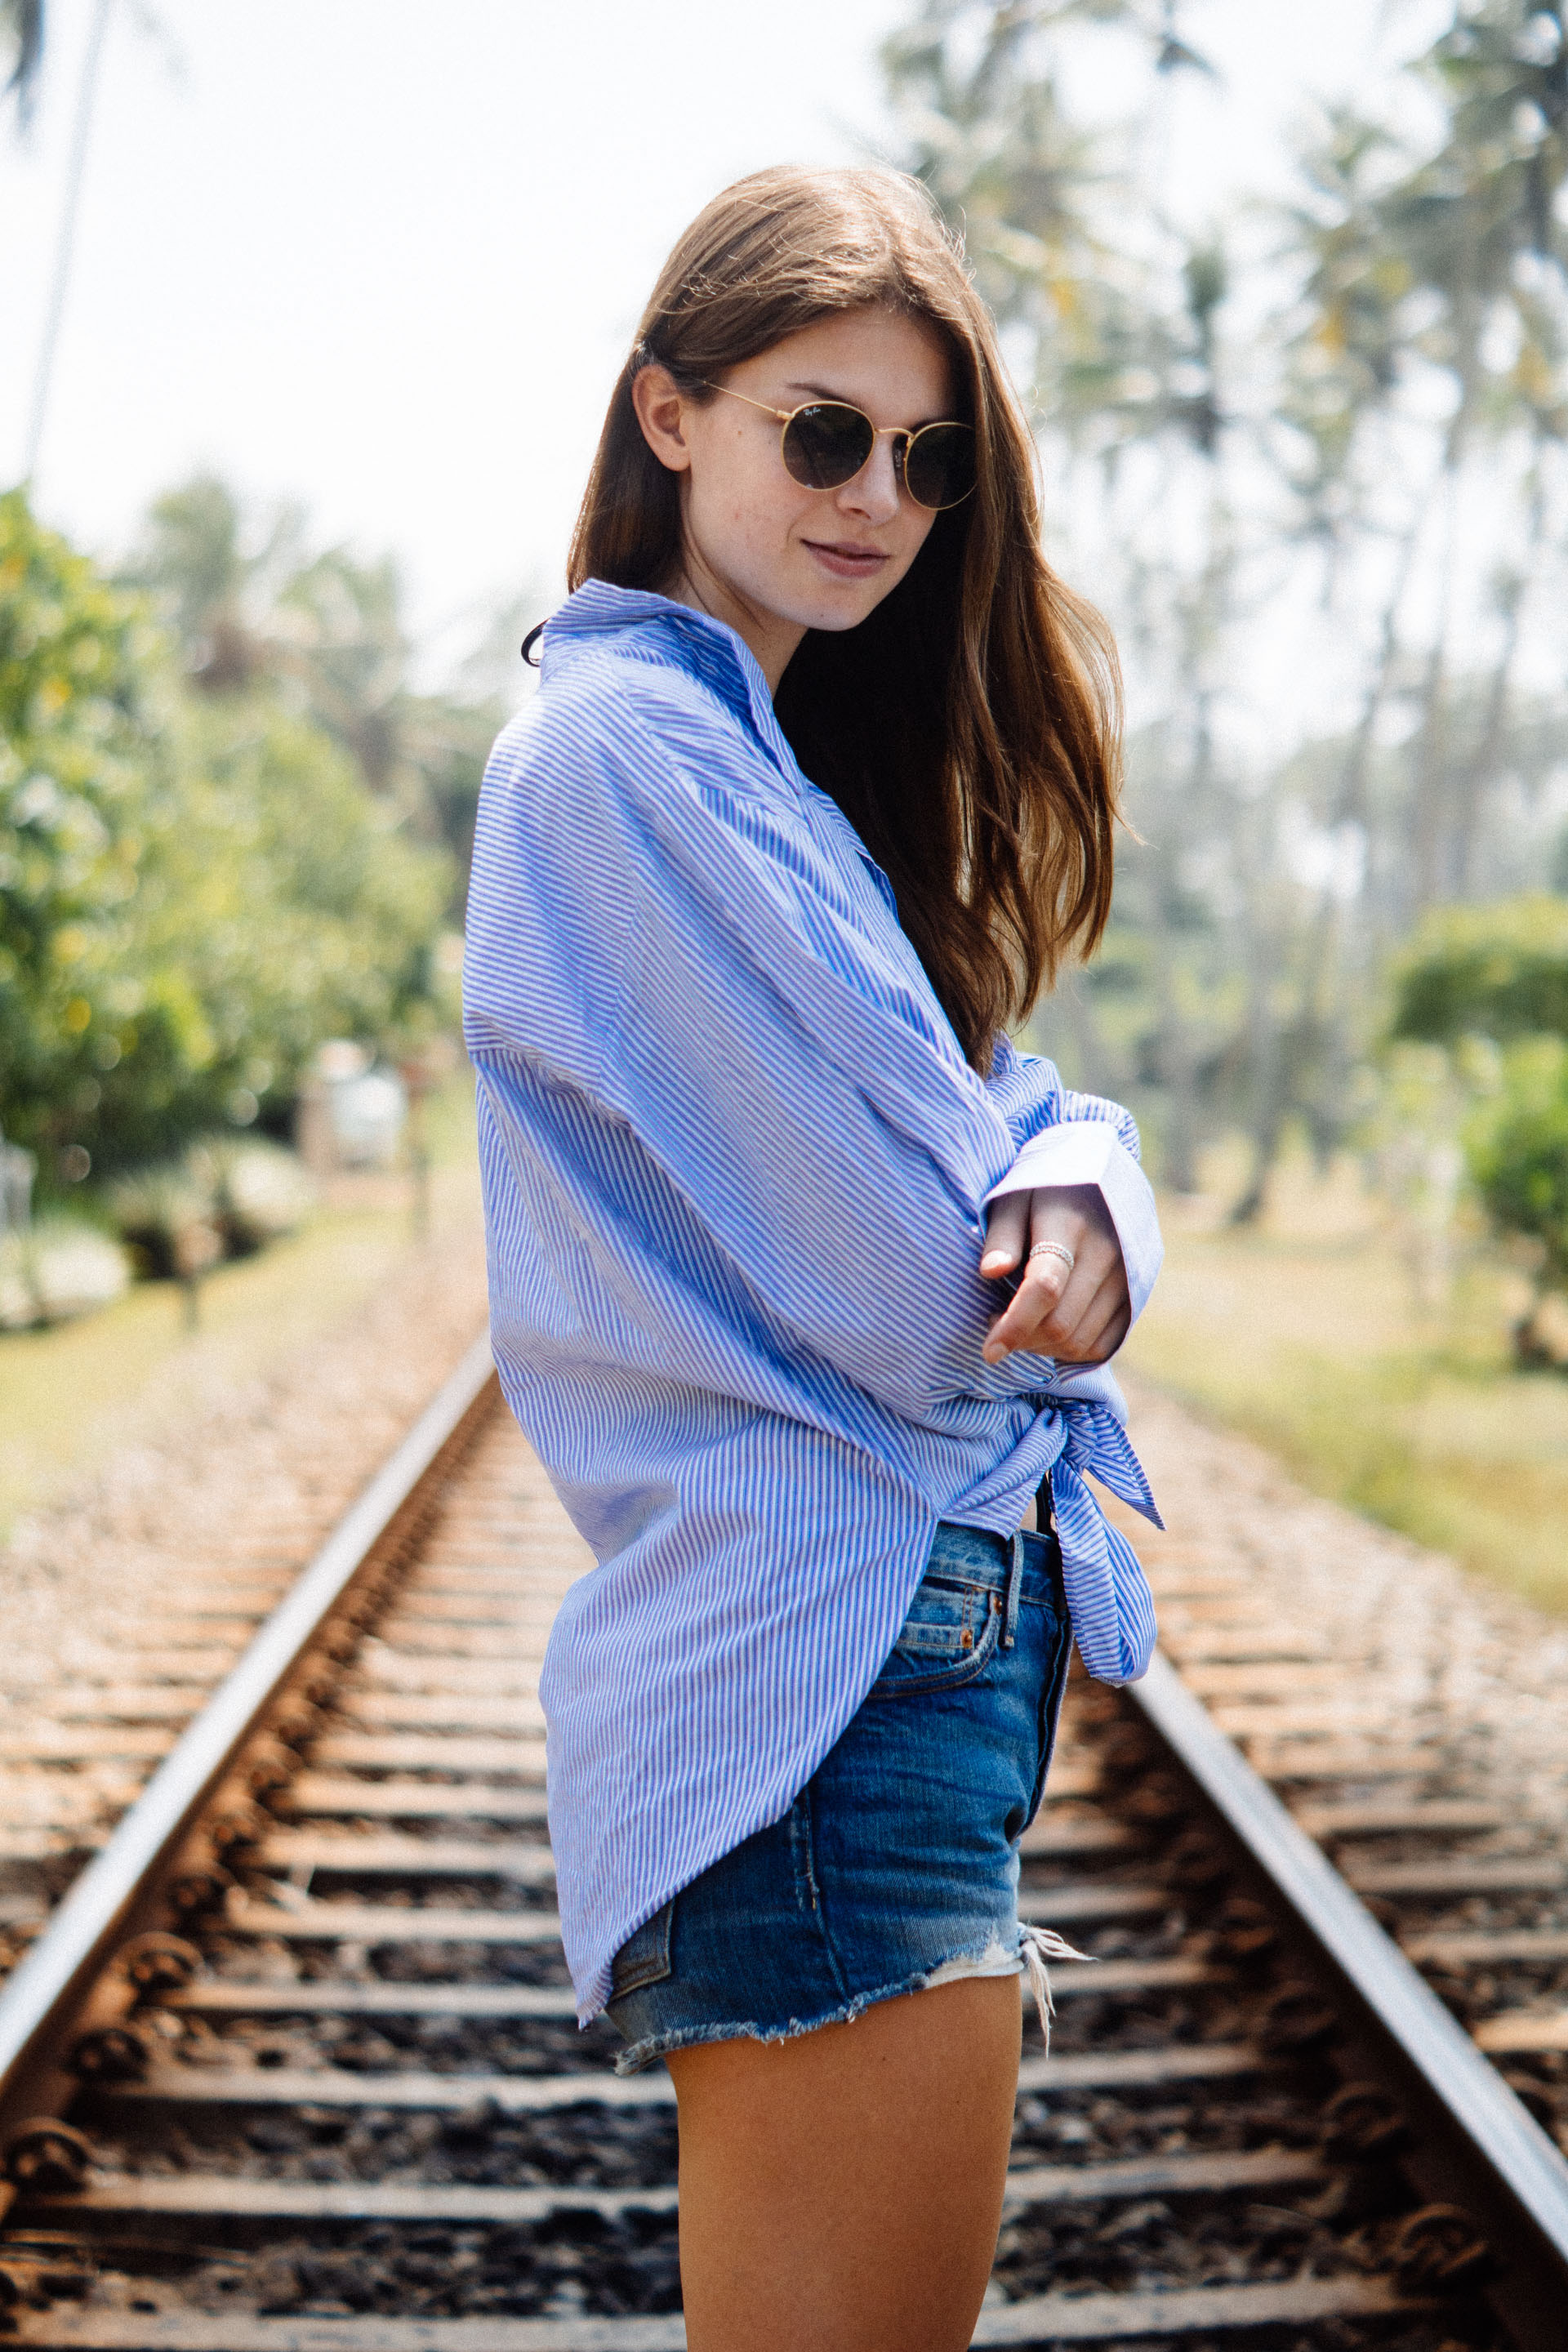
<point>844,561</point>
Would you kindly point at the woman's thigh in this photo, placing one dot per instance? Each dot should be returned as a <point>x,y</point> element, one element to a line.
<point>841,2191</point>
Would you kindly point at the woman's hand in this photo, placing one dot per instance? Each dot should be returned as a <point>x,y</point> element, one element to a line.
<point>1078,1318</point>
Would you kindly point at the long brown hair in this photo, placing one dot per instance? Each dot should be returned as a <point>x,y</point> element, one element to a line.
<point>969,728</point>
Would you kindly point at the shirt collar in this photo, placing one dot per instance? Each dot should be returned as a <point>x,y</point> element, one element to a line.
<point>719,658</point>
<point>689,640</point>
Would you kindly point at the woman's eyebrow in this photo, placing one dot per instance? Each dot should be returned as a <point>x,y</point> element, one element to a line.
<point>824,392</point>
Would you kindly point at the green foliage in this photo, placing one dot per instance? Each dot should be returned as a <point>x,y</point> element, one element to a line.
<point>194,889</point>
<point>1501,971</point>
<point>76,743</point>
<point>1476,979</point>
<point>1518,1153</point>
<point>283,905</point>
<point>60,1267</point>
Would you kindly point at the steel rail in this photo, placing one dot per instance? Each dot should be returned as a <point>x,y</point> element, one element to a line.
<point>1475,2142</point>
<point>38,2001</point>
<point>1508,2169</point>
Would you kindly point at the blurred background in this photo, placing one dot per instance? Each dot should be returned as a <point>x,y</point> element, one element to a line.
<point>309,317</point>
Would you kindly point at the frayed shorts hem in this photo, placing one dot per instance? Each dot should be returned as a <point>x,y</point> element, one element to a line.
<point>991,1959</point>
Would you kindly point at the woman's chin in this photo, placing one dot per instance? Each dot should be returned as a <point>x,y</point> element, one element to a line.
<point>827,604</point>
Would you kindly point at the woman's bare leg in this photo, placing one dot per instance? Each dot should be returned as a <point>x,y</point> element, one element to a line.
<point>841,2192</point>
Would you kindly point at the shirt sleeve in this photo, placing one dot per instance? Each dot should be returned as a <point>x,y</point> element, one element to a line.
<point>653,923</point>
<point>1091,1151</point>
<point>1066,1138</point>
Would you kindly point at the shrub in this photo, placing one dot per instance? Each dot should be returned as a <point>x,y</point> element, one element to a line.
<point>165,1216</point>
<point>1517,1146</point>
<point>1476,979</point>
<point>1498,971</point>
<point>1519,1154</point>
<point>258,1192</point>
<point>76,744</point>
<point>58,1268</point>
<point>229,1196</point>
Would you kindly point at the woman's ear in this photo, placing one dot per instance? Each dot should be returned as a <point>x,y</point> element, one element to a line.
<point>660,408</point>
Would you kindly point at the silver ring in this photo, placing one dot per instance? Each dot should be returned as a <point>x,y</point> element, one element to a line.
<point>1055,1249</point>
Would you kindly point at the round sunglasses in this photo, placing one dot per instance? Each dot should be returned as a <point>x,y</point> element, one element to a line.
<point>825,445</point>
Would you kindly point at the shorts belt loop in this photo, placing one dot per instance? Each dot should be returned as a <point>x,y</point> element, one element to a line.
<point>1014,1593</point>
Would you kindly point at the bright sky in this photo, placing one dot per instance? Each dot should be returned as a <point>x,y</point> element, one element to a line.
<point>386,258</point>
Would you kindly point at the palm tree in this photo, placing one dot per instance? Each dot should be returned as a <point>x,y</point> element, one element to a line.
<point>1418,269</point>
<point>1124,318</point>
<point>1494,250</point>
<point>219,595</point>
<point>25,19</point>
<point>1412,427</point>
<point>253,610</point>
<point>22,36</point>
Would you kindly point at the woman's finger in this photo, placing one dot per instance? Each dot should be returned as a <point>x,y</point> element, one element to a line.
<point>1071,1300</point>
<point>1077,1217</point>
<point>1078,1320</point>
<point>1005,1231</point>
<point>1100,1332</point>
<point>1081,1319</point>
<point>1036,1308</point>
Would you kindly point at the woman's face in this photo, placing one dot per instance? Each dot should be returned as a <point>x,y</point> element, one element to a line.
<point>772,558</point>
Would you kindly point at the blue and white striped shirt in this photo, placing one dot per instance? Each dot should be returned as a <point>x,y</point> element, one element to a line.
<point>735,1171</point>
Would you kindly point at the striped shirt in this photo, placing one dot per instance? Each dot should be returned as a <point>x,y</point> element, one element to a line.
<point>736,1168</point>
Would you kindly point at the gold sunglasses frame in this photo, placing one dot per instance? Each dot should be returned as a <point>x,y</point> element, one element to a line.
<point>784,418</point>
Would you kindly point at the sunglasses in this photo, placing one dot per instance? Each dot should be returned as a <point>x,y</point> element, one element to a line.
<point>827,443</point>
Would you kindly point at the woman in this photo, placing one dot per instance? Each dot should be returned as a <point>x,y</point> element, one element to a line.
<point>817,790</point>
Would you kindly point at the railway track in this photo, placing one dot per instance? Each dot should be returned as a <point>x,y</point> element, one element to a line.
<point>76,1743</point>
<point>121,1607</point>
<point>294,2067</point>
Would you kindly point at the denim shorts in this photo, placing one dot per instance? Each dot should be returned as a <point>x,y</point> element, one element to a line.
<point>897,1866</point>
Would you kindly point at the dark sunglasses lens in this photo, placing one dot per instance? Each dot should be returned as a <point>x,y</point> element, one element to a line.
<point>826,444</point>
<point>939,465</point>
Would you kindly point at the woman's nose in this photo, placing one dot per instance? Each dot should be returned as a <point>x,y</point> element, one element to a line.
<point>874,493</point>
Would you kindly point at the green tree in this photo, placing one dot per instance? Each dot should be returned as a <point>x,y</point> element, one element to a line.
<point>195,888</point>
<point>216,595</point>
<point>1520,1160</point>
<point>280,904</point>
<point>80,731</point>
<point>1517,1150</point>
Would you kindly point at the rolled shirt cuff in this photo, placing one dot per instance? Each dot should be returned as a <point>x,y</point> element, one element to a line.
<point>1090,1152</point>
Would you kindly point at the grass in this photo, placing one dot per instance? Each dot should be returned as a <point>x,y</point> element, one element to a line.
<point>71,1396</point>
<point>1306,1333</point>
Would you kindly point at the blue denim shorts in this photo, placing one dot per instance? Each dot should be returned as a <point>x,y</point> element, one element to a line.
<point>897,1866</point>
